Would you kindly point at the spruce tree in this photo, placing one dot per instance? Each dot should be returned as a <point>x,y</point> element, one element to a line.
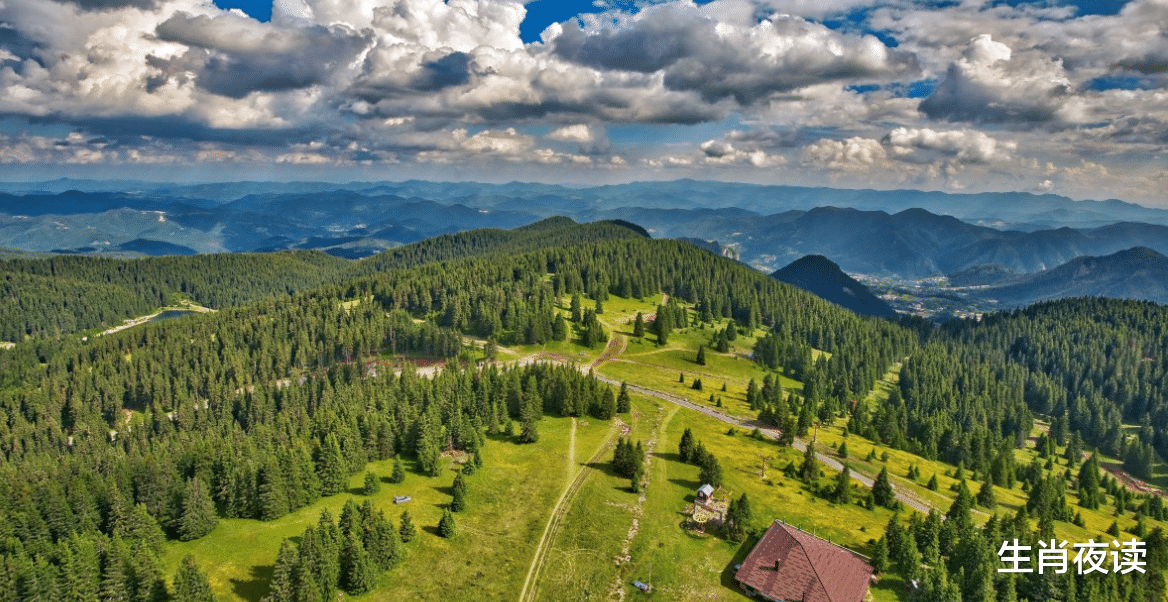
<point>191,584</point>
<point>623,401</point>
<point>1088,484</point>
<point>701,358</point>
<point>882,489</point>
<point>198,516</point>
<point>359,574</point>
<point>407,529</point>
<point>809,469</point>
<point>685,447</point>
<point>458,491</point>
<point>711,471</point>
<point>986,497</point>
<point>399,472</point>
<point>382,543</point>
<point>372,484</point>
<point>330,540</point>
<point>842,493</point>
<point>273,493</point>
<point>331,467</point>
<point>446,527</point>
<point>282,587</point>
<point>880,556</point>
<point>639,326</point>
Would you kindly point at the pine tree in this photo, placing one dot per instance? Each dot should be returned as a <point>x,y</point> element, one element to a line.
<point>372,484</point>
<point>960,511</point>
<point>932,485</point>
<point>711,471</point>
<point>809,469</point>
<point>446,527</point>
<point>191,584</point>
<point>198,516</point>
<point>331,467</point>
<point>399,472</point>
<point>986,497</point>
<point>407,530</point>
<point>283,584</point>
<point>701,358</point>
<point>623,401</point>
<point>882,489</point>
<point>359,574</point>
<point>1088,484</point>
<point>382,542</point>
<point>685,447</point>
<point>458,491</point>
<point>880,556</point>
<point>842,494</point>
<point>639,326</point>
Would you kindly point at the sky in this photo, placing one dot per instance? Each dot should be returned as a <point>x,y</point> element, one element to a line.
<point>956,95</point>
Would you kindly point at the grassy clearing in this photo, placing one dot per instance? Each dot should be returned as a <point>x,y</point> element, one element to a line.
<point>510,500</point>
<point>686,565</point>
<point>582,559</point>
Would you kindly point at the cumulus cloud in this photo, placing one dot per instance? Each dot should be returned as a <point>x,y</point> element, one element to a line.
<point>695,51</point>
<point>232,56</point>
<point>853,154</point>
<point>990,84</point>
<point>776,91</point>
<point>969,146</point>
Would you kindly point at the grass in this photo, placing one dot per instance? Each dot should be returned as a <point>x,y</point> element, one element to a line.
<point>583,556</point>
<point>687,565</point>
<point>510,500</point>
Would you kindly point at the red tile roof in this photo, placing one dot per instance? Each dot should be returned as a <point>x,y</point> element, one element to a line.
<point>807,566</point>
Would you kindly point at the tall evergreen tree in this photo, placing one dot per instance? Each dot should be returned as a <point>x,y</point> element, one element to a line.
<point>191,584</point>
<point>372,484</point>
<point>882,489</point>
<point>407,529</point>
<point>358,572</point>
<point>842,493</point>
<point>446,527</point>
<point>331,467</point>
<point>198,516</point>
<point>282,587</point>
<point>685,447</point>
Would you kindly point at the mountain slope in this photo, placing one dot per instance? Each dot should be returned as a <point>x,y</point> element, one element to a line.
<point>1136,273</point>
<point>820,276</point>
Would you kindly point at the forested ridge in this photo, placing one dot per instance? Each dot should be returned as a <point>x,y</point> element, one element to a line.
<point>59,295</point>
<point>115,444</point>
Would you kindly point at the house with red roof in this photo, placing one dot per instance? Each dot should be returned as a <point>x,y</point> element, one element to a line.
<point>791,565</point>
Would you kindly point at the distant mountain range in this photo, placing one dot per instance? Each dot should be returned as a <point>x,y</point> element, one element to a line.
<point>1138,273</point>
<point>818,275</point>
<point>976,240</point>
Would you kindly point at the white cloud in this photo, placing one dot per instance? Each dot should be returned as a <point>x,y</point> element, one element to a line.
<point>969,146</point>
<point>853,154</point>
<point>990,84</point>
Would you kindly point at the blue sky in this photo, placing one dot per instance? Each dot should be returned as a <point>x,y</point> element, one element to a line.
<point>973,95</point>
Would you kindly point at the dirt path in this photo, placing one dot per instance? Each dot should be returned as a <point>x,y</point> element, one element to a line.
<point>618,591</point>
<point>904,496</point>
<point>617,343</point>
<point>531,583</point>
<point>132,322</point>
